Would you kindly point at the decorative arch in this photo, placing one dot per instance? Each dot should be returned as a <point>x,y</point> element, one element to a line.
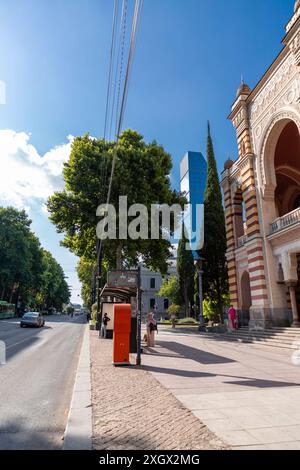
<point>274,128</point>
<point>246,291</point>
<point>239,216</point>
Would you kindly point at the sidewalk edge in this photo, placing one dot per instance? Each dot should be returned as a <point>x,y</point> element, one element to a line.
<point>78,433</point>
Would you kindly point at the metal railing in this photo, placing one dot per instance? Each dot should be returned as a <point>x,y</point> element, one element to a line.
<point>286,221</point>
<point>242,241</point>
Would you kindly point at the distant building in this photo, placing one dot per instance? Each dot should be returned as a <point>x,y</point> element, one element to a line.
<point>193,172</point>
<point>151,283</point>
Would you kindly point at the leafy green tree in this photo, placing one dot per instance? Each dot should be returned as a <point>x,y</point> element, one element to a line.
<point>170,289</point>
<point>186,272</point>
<point>215,278</point>
<point>54,291</point>
<point>141,173</point>
<point>20,256</point>
<point>28,273</point>
<point>86,270</point>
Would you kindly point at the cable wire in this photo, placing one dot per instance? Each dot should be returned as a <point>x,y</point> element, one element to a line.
<point>137,10</point>
<point>111,64</point>
<point>120,114</point>
<point>119,67</point>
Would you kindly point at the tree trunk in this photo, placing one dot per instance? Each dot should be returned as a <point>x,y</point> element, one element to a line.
<point>119,257</point>
<point>11,295</point>
<point>186,299</point>
<point>219,295</point>
<point>3,293</point>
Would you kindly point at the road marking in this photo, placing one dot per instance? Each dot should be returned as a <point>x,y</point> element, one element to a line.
<point>30,336</point>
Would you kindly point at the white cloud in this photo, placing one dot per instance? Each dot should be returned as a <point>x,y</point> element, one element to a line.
<point>27,178</point>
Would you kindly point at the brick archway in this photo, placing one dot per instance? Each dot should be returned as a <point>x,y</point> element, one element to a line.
<point>268,148</point>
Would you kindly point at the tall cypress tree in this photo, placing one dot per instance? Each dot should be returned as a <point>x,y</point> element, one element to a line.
<point>215,278</point>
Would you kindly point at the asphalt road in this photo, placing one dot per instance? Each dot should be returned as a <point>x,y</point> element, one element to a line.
<point>36,383</point>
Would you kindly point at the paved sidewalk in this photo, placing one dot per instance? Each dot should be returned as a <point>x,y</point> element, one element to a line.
<point>132,410</point>
<point>78,434</point>
<point>248,395</point>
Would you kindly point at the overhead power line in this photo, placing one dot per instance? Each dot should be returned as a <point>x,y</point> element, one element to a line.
<point>136,16</point>
<point>111,63</point>
<point>118,99</point>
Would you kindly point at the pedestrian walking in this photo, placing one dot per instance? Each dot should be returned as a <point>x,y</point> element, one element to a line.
<point>232,324</point>
<point>173,320</point>
<point>105,321</point>
<point>151,328</point>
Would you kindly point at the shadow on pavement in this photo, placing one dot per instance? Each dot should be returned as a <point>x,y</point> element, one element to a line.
<point>245,381</point>
<point>16,436</point>
<point>128,442</point>
<point>203,357</point>
<point>188,352</point>
<point>178,372</point>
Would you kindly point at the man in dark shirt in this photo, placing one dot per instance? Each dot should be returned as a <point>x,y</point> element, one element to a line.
<point>105,321</point>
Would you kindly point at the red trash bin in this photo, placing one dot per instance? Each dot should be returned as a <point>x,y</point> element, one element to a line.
<point>122,329</point>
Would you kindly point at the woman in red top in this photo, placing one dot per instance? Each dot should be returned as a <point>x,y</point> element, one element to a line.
<point>231,318</point>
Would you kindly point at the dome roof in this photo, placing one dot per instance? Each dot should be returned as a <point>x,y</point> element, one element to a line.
<point>243,88</point>
<point>297,5</point>
<point>228,164</point>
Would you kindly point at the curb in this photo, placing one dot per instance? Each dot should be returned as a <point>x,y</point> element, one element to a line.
<point>78,433</point>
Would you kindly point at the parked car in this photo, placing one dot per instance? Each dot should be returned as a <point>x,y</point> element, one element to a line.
<point>32,319</point>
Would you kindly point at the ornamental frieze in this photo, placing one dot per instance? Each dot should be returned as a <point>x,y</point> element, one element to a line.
<point>273,90</point>
<point>289,97</point>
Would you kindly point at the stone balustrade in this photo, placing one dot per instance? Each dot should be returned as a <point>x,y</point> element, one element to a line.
<point>287,220</point>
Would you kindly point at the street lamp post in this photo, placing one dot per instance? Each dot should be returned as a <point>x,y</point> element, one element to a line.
<point>199,267</point>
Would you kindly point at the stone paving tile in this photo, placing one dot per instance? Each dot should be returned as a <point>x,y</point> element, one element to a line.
<point>238,437</point>
<point>255,447</point>
<point>132,410</point>
<point>284,446</point>
<point>252,397</point>
<point>279,434</point>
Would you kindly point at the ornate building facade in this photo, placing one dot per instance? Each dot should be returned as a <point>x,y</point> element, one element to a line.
<point>262,192</point>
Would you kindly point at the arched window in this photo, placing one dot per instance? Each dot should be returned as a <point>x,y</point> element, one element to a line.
<point>287,170</point>
<point>239,215</point>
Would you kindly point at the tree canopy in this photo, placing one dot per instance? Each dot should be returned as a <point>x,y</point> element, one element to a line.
<point>141,173</point>
<point>215,278</point>
<point>170,289</point>
<point>186,272</point>
<point>28,273</point>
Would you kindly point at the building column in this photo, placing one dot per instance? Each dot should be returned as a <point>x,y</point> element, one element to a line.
<point>260,313</point>
<point>290,272</point>
<point>230,236</point>
<point>292,290</point>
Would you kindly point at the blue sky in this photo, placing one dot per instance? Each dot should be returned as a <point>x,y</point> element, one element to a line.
<point>189,60</point>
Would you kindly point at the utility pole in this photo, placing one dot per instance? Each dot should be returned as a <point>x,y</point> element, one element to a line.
<point>199,267</point>
<point>139,319</point>
<point>98,290</point>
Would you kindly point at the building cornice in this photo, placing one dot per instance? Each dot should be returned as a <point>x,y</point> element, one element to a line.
<point>285,51</point>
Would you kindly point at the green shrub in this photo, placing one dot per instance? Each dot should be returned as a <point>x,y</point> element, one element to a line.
<point>187,321</point>
<point>174,309</point>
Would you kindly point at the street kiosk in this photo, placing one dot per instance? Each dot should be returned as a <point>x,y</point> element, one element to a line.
<point>122,329</point>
